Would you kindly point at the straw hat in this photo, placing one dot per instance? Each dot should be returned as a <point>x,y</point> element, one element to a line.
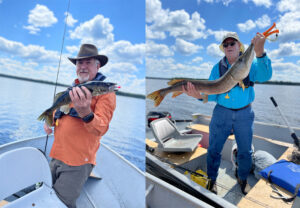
<point>234,36</point>
<point>89,51</point>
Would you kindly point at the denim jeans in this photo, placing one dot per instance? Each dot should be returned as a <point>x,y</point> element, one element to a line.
<point>223,122</point>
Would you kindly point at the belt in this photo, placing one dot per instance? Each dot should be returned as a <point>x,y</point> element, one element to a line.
<point>241,108</point>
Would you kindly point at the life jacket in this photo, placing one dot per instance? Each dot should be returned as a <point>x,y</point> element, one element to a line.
<point>223,67</point>
<point>58,114</point>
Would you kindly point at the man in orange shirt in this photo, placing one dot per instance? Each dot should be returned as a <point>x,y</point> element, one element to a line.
<point>77,134</point>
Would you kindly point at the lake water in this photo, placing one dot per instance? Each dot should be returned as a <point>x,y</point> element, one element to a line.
<point>21,102</point>
<point>183,106</point>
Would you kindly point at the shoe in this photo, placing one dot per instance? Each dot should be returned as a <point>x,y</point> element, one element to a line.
<point>245,187</point>
<point>211,185</point>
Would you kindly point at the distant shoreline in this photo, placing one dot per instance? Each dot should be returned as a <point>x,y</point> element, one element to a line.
<point>268,82</point>
<point>127,94</point>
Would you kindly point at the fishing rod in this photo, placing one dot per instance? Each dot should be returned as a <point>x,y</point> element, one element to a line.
<point>293,134</point>
<point>61,49</point>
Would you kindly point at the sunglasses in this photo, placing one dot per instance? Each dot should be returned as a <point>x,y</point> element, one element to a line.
<point>225,45</point>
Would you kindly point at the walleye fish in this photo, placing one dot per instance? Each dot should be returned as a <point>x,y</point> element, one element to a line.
<point>62,99</point>
<point>239,70</point>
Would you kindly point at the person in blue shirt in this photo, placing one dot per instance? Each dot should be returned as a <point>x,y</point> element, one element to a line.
<point>233,112</point>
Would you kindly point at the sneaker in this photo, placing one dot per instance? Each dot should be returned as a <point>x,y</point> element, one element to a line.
<point>245,187</point>
<point>211,185</point>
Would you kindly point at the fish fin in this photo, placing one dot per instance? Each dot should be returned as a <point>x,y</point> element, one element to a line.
<point>241,83</point>
<point>174,81</point>
<point>157,97</point>
<point>47,116</point>
<point>65,108</point>
<point>58,95</point>
<point>205,98</point>
<point>175,94</point>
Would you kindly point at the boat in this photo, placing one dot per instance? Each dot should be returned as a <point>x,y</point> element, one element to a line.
<point>114,182</point>
<point>176,168</point>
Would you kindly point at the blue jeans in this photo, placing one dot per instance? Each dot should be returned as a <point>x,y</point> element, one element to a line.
<point>222,123</point>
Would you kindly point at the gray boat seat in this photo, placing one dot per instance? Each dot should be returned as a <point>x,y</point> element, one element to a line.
<point>170,139</point>
<point>25,167</point>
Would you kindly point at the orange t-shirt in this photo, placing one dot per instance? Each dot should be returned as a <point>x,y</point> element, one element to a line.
<point>76,142</point>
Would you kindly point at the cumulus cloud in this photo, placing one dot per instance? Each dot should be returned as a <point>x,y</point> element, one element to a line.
<point>177,23</point>
<point>289,22</point>
<point>261,22</point>
<point>218,34</point>
<point>286,49</point>
<point>97,30</point>
<point>39,17</point>
<point>185,47</point>
<point>70,21</point>
<point>154,49</point>
<point>125,51</point>
<point>197,59</point>
<point>286,71</point>
<point>266,3</point>
<point>214,50</point>
<point>167,67</point>
<point>29,52</point>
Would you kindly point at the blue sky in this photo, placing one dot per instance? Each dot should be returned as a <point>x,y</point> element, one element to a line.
<point>183,36</point>
<point>32,31</point>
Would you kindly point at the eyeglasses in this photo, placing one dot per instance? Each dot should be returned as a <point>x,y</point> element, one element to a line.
<point>225,45</point>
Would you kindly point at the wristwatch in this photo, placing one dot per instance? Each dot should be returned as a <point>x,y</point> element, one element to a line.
<point>88,118</point>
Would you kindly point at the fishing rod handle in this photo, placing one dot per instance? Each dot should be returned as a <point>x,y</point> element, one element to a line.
<point>273,101</point>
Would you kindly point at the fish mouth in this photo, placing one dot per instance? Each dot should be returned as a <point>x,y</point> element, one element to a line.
<point>115,88</point>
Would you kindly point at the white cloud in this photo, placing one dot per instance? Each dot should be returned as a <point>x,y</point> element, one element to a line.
<point>29,52</point>
<point>97,30</point>
<point>167,67</point>
<point>248,25</point>
<point>266,3</point>
<point>289,26</point>
<point>286,49</point>
<point>177,23</point>
<point>39,17</point>
<point>197,59</point>
<point>72,49</point>
<point>124,51</point>
<point>288,5</point>
<point>286,71</point>
<point>218,34</point>
<point>154,49</point>
<point>214,50</point>
<point>261,22</point>
<point>70,20</point>
<point>185,47</point>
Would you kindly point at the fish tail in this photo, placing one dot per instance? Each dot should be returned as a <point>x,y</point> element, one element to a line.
<point>47,117</point>
<point>157,96</point>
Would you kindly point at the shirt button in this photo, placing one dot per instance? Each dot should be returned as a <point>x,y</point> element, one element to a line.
<point>86,159</point>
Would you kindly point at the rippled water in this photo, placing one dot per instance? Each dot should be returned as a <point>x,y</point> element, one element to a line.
<point>21,102</point>
<point>183,106</point>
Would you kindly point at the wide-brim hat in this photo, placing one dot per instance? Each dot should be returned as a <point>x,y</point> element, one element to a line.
<point>234,36</point>
<point>89,51</point>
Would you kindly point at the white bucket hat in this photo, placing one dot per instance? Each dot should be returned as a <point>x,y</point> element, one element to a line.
<point>234,36</point>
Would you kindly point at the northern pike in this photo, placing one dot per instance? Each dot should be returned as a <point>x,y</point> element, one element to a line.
<point>62,99</point>
<point>239,70</point>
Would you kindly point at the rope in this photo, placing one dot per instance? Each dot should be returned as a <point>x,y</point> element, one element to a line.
<point>62,46</point>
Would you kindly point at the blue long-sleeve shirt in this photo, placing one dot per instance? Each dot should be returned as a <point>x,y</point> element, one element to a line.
<point>260,71</point>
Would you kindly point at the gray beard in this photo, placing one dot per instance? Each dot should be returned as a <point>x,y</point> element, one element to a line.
<point>83,79</point>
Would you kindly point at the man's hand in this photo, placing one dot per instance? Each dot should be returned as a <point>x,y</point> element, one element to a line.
<point>82,99</point>
<point>191,91</point>
<point>259,42</point>
<point>47,129</point>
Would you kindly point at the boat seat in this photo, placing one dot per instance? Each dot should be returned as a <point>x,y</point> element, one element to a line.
<point>170,139</point>
<point>25,167</point>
